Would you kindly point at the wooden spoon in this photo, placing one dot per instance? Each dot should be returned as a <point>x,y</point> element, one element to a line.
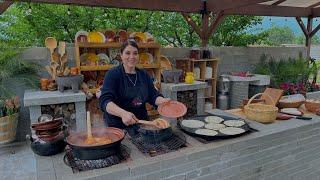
<point>51,44</point>
<point>90,139</point>
<point>158,123</point>
<point>62,48</point>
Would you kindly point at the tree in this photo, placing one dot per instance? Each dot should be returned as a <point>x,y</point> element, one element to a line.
<point>168,28</point>
<point>280,35</point>
<point>301,39</point>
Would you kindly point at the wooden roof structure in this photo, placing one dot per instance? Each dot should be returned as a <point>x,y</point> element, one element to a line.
<point>283,8</point>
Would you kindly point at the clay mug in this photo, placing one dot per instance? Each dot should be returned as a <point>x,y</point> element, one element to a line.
<point>74,71</point>
<point>44,83</point>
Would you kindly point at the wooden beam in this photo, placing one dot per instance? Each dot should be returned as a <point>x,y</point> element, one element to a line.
<point>315,31</point>
<point>195,27</point>
<point>215,23</point>
<point>189,6</point>
<point>278,2</point>
<point>314,5</point>
<point>302,26</point>
<point>315,12</point>
<point>216,5</point>
<point>268,10</point>
<point>308,37</point>
<point>5,5</point>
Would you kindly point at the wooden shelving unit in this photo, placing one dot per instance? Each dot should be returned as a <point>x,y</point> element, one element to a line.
<point>152,48</point>
<point>212,81</point>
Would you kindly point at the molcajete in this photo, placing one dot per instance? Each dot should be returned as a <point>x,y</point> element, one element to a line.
<point>73,81</point>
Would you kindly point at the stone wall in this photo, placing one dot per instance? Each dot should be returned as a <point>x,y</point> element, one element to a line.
<point>231,59</point>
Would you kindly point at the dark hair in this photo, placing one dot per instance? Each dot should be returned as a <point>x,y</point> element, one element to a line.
<point>129,42</point>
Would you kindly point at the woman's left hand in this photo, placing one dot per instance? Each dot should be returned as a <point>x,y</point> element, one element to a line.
<point>161,100</point>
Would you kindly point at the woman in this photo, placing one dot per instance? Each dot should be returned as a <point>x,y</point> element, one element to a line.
<point>126,89</point>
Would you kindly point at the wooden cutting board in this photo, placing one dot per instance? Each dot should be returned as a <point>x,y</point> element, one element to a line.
<point>275,94</point>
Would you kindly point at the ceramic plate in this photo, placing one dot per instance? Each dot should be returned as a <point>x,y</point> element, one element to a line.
<point>172,109</point>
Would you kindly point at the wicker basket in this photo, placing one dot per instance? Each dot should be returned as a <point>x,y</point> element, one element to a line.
<point>297,104</point>
<point>312,106</point>
<point>8,127</point>
<point>283,103</point>
<point>260,112</point>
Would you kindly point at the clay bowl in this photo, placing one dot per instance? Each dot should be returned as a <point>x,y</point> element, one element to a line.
<point>49,132</point>
<point>47,125</point>
<point>50,137</point>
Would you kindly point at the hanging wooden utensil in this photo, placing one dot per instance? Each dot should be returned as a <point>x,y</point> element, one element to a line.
<point>51,44</point>
<point>62,48</point>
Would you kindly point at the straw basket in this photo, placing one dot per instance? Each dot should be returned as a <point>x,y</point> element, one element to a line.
<point>8,127</point>
<point>312,106</point>
<point>261,112</point>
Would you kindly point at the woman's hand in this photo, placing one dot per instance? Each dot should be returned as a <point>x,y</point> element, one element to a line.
<point>128,118</point>
<point>161,100</point>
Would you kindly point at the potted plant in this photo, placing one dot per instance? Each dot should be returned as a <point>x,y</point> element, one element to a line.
<point>14,74</point>
<point>9,115</point>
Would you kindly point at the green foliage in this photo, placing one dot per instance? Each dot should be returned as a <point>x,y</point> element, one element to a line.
<point>289,70</point>
<point>15,72</point>
<point>280,35</point>
<point>233,32</point>
<point>301,39</point>
<point>168,28</point>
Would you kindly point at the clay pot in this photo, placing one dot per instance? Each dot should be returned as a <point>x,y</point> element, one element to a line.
<point>74,71</point>
<point>44,84</point>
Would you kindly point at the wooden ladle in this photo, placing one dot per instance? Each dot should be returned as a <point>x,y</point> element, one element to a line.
<point>51,44</point>
<point>90,139</point>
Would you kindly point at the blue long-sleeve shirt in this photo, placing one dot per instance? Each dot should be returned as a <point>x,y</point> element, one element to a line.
<point>113,90</point>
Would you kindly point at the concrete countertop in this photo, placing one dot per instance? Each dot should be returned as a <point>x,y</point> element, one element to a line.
<point>141,165</point>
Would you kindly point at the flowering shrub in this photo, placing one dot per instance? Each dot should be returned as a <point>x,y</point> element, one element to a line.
<point>299,88</point>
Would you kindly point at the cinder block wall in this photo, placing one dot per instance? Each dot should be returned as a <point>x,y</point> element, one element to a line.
<point>235,59</point>
<point>292,154</point>
<point>231,59</point>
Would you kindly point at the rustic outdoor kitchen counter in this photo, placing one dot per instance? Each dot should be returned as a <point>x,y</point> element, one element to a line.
<point>285,149</point>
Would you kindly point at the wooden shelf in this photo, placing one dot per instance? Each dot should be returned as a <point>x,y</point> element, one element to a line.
<point>107,67</point>
<point>96,68</point>
<point>113,45</point>
<point>203,60</point>
<point>203,64</point>
<point>149,66</point>
<point>206,79</point>
<point>206,97</point>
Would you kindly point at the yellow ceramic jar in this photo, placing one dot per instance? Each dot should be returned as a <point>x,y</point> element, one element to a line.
<point>189,78</point>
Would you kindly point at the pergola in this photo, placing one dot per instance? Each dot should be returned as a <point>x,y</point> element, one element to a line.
<point>212,11</point>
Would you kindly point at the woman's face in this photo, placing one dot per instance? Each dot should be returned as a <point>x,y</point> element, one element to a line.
<point>130,56</point>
